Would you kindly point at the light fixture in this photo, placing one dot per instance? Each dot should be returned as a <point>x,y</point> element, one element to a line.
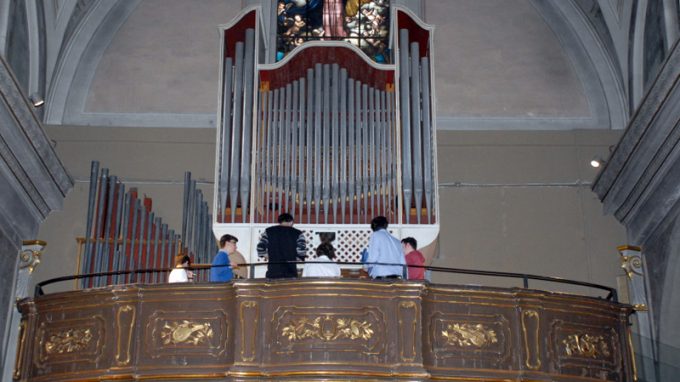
<point>597,162</point>
<point>36,100</point>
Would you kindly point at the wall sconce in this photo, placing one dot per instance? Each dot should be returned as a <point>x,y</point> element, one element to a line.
<point>36,100</point>
<point>597,162</point>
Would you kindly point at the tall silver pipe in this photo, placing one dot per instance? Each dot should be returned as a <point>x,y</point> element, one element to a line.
<point>343,144</point>
<point>365,127</point>
<point>236,131</point>
<point>286,149</point>
<point>318,103</point>
<point>428,174</point>
<point>372,147</point>
<point>189,239</point>
<point>358,131</point>
<point>405,92</point>
<point>334,143</point>
<point>92,197</point>
<point>416,129</point>
<point>351,128</point>
<point>185,203</point>
<point>389,152</point>
<point>309,192</point>
<point>278,145</point>
<point>292,168</point>
<point>301,148</point>
<point>246,147</point>
<point>260,144</point>
<point>270,156</point>
<point>326,146</point>
<point>227,101</point>
<point>382,147</point>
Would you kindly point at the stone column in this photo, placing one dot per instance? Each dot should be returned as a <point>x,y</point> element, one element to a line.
<point>29,258</point>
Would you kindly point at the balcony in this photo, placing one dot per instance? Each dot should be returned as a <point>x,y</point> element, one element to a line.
<point>322,329</point>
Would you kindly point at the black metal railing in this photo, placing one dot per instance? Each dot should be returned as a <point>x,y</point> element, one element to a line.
<point>525,277</point>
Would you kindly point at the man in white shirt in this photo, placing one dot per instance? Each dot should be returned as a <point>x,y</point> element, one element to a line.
<point>385,249</point>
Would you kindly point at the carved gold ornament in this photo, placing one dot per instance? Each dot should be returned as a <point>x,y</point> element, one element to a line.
<point>68,341</point>
<point>327,328</point>
<point>466,335</point>
<point>178,332</point>
<point>632,265</point>
<point>586,345</point>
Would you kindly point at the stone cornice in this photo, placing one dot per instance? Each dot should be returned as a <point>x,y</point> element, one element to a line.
<point>26,151</point>
<point>634,185</point>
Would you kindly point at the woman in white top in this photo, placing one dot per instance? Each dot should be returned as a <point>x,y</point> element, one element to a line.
<point>326,253</point>
<point>180,273</point>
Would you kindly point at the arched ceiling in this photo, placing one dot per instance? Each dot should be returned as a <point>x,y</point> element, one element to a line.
<point>500,64</point>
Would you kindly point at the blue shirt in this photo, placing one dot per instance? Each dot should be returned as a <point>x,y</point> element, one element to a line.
<point>384,248</point>
<point>223,273</point>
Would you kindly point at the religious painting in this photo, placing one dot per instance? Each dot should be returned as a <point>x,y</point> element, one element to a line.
<point>363,23</point>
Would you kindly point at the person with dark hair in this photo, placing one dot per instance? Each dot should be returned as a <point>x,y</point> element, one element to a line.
<point>326,253</point>
<point>413,257</point>
<point>180,273</point>
<point>221,270</point>
<point>383,249</point>
<point>281,244</point>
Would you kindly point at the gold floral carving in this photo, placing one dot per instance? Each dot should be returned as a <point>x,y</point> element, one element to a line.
<point>68,341</point>
<point>586,345</point>
<point>327,328</point>
<point>467,335</point>
<point>186,332</point>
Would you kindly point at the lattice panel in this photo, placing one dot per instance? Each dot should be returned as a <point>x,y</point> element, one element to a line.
<point>348,242</point>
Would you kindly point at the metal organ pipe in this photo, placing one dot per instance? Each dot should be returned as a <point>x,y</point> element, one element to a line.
<point>407,177</point>
<point>225,142</point>
<point>427,138</point>
<point>416,130</point>
<point>249,69</point>
<point>236,135</point>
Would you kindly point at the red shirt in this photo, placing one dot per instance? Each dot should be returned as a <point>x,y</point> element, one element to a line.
<point>415,258</point>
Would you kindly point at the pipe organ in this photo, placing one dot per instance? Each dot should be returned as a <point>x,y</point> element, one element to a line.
<point>328,135</point>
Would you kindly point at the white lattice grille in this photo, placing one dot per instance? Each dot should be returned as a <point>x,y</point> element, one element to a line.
<point>348,243</point>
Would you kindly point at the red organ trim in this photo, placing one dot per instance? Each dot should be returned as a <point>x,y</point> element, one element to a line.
<point>237,32</point>
<point>306,58</point>
<point>416,33</point>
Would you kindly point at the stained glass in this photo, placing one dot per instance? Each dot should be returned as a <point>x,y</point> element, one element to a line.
<point>363,23</point>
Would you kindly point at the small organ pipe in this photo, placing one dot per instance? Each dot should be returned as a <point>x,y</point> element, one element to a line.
<point>343,143</point>
<point>407,178</point>
<point>226,141</point>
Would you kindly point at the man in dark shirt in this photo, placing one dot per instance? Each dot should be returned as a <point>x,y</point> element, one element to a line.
<point>280,244</point>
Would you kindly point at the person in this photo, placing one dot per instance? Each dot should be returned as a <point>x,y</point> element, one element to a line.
<point>221,270</point>
<point>384,248</point>
<point>413,257</point>
<point>236,258</point>
<point>280,244</point>
<point>180,274</point>
<point>326,253</point>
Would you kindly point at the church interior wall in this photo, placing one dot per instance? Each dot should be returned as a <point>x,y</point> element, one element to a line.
<point>510,201</point>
